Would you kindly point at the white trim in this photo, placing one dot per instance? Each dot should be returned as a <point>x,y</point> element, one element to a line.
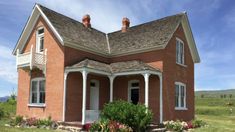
<point>50,25</point>
<point>84,86</point>
<point>29,28</point>
<point>64,96</point>
<point>130,88</point>
<point>38,79</point>
<point>37,105</point>
<point>183,52</point>
<point>185,96</point>
<point>190,39</point>
<point>161,98</point>
<point>38,38</point>
<point>111,79</point>
<point>146,82</point>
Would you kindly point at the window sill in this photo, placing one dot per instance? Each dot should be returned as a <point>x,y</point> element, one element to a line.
<point>183,65</point>
<point>37,105</point>
<point>181,108</point>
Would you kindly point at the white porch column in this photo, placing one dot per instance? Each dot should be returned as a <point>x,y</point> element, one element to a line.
<point>64,96</point>
<point>161,100</point>
<point>111,78</point>
<point>84,77</point>
<point>146,80</point>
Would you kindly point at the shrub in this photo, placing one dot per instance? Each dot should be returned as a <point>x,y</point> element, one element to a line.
<point>31,121</point>
<point>105,125</point>
<point>44,122</point>
<point>135,116</point>
<point>174,126</point>
<point>1,113</point>
<point>17,120</point>
<point>198,123</point>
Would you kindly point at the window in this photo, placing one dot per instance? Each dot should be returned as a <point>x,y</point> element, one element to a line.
<point>40,40</point>
<point>37,91</point>
<point>180,95</point>
<point>179,51</point>
<point>133,91</point>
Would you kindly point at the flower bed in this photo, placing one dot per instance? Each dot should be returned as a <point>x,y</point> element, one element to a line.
<point>20,121</point>
<point>181,125</point>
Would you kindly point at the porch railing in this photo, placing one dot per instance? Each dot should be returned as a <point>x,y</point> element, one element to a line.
<point>32,60</point>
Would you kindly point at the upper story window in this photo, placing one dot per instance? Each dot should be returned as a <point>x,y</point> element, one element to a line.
<point>179,51</point>
<point>40,40</point>
<point>37,91</point>
<point>180,95</point>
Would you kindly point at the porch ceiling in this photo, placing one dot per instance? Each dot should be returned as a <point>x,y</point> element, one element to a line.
<point>117,67</point>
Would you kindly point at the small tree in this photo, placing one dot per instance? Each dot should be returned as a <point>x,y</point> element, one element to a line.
<point>221,96</point>
<point>230,96</point>
<point>202,96</point>
<point>224,95</point>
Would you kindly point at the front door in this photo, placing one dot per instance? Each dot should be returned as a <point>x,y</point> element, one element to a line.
<point>133,91</point>
<point>94,95</point>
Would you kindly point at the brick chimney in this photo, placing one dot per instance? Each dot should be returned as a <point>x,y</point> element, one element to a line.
<point>125,24</point>
<point>86,21</point>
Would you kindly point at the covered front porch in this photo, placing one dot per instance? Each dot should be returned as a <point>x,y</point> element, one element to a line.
<point>89,84</point>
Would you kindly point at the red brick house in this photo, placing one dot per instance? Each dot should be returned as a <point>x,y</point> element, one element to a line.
<point>69,70</point>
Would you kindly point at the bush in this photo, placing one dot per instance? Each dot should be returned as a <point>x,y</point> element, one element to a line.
<point>44,122</point>
<point>16,121</point>
<point>105,125</point>
<point>135,116</point>
<point>174,126</point>
<point>32,121</point>
<point>198,123</point>
<point>1,113</point>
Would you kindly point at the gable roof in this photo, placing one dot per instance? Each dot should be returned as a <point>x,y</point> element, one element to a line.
<point>141,38</point>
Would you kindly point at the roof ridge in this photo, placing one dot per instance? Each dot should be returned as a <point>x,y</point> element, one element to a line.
<point>107,39</point>
<point>145,23</point>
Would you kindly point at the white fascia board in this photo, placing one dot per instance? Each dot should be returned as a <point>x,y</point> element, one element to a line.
<point>190,39</point>
<point>50,25</point>
<point>29,28</point>
<point>23,35</point>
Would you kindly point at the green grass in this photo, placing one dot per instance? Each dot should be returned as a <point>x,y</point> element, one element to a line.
<point>216,113</point>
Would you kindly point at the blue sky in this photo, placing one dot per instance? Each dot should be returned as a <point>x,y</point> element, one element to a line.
<point>212,22</point>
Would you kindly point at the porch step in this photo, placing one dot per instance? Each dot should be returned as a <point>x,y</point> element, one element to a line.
<point>71,126</point>
<point>156,128</point>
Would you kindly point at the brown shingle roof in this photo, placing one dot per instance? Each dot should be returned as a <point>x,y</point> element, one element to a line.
<point>127,66</point>
<point>74,31</point>
<point>145,36</point>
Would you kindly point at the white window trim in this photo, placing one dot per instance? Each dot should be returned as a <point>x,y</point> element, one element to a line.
<point>181,64</point>
<point>130,88</point>
<point>38,93</point>
<point>38,40</point>
<point>182,108</point>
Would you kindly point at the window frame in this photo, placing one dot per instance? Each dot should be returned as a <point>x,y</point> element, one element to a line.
<point>179,107</point>
<point>178,57</point>
<point>37,104</point>
<point>38,38</point>
<point>130,88</point>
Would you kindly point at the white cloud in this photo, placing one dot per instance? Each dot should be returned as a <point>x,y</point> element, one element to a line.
<point>7,65</point>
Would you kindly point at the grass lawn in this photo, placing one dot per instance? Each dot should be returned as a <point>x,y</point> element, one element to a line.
<point>217,123</point>
<point>216,114</point>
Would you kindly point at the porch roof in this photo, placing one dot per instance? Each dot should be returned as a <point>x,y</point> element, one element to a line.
<point>117,67</point>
